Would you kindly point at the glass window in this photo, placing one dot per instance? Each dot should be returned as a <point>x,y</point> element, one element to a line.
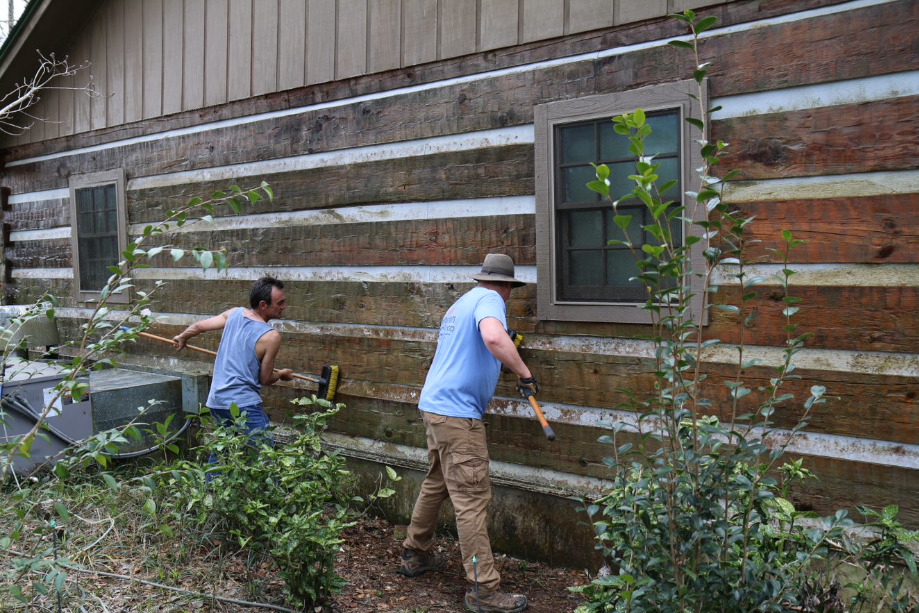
<point>581,275</point>
<point>98,232</point>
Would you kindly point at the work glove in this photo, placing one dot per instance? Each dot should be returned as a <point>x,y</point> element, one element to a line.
<point>527,387</point>
<point>516,338</point>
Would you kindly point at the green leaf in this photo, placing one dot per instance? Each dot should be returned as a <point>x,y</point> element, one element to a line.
<point>206,259</point>
<point>622,221</point>
<point>110,480</point>
<point>61,510</point>
<point>682,44</point>
<point>704,24</point>
<point>177,254</point>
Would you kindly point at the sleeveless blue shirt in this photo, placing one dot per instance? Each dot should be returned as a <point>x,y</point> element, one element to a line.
<point>236,367</point>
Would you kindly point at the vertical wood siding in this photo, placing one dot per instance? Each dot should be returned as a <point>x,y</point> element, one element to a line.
<point>160,57</point>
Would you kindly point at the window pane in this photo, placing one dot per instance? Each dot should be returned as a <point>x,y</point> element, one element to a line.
<point>634,228</point>
<point>574,184</point>
<point>619,182</point>
<point>577,144</point>
<point>97,234</point>
<point>664,137</point>
<point>585,228</point>
<point>670,171</point>
<point>585,267</point>
<point>621,266</point>
<point>613,146</point>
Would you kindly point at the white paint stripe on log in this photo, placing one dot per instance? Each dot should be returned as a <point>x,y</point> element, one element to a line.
<point>409,211</point>
<point>868,89</point>
<point>869,451</point>
<point>592,56</point>
<point>857,362</point>
<point>825,275</point>
<point>51,194</point>
<point>40,235</point>
<point>502,473</point>
<point>820,188</point>
<point>806,275</point>
<point>470,141</point>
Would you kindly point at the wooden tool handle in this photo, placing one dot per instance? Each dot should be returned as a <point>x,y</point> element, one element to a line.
<point>163,339</point>
<point>542,418</point>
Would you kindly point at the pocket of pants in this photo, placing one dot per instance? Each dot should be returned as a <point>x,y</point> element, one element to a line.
<point>470,472</point>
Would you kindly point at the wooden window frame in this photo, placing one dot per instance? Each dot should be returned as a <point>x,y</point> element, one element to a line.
<point>673,95</point>
<point>85,181</point>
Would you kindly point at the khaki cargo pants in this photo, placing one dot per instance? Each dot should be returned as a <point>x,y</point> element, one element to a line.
<point>458,469</point>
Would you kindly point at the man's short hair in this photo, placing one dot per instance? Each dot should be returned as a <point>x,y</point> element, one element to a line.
<point>261,290</point>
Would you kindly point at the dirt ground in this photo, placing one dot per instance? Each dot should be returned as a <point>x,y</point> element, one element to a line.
<point>370,558</point>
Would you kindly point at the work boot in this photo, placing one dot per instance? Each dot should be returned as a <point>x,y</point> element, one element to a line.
<point>416,562</point>
<point>494,601</point>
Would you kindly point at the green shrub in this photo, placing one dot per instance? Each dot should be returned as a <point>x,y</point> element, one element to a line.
<point>281,499</point>
<point>696,516</point>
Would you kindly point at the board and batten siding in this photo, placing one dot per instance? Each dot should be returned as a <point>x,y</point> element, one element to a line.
<point>159,57</point>
<point>389,191</point>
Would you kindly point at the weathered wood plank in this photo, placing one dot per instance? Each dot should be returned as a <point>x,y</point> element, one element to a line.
<point>584,15</point>
<point>265,47</point>
<point>97,51</point>
<point>292,44</point>
<point>133,60</point>
<point>173,52</point>
<point>153,59</point>
<point>239,54</point>
<point>542,19</point>
<point>457,28</point>
<point>320,38</point>
<point>351,42</point>
<point>866,137</point>
<point>216,35</point>
<point>852,318</point>
<point>498,23</point>
<point>502,171</point>
<point>858,230</point>
<point>193,64</point>
<point>115,51</point>
<point>385,36</point>
<point>429,242</point>
<point>55,253</point>
<point>809,51</point>
<point>419,44</point>
<point>39,215</point>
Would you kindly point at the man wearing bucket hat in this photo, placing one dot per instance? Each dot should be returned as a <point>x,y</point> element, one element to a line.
<point>472,346</point>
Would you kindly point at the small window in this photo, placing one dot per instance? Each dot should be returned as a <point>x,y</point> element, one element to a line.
<point>98,231</point>
<point>581,276</point>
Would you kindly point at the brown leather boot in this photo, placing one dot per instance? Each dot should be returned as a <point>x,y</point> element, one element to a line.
<point>494,601</point>
<point>416,563</point>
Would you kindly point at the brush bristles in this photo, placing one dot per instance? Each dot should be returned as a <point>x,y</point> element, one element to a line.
<point>333,383</point>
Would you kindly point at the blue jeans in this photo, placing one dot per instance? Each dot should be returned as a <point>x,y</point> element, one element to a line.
<point>256,424</point>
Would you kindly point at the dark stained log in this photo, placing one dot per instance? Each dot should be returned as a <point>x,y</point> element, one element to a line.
<point>484,173</point>
<point>456,241</point>
<point>854,318</point>
<point>870,229</point>
<point>41,215</point>
<point>52,253</point>
<point>851,138</point>
<point>819,50</point>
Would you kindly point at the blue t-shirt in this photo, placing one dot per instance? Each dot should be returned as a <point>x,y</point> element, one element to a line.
<point>236,367</point>
<point>464,373</point>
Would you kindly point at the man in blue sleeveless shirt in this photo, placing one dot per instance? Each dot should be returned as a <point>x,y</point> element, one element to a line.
<point>246,355</point>
<point>472,346</point>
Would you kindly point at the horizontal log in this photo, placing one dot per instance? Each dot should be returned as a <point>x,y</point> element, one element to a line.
<point>457,241</point>
<point>822,49</point>
<point>849,138</point>
<point>52,253</point>
<point>383,304</point>
<point>851,318</point>
<point>871,229</point>
<point>38,215</point>
<point>484,173</point>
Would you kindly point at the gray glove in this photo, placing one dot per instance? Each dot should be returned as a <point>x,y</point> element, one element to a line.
<point>528,387</point>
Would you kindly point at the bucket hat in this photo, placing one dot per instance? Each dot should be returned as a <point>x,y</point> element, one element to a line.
<point>498,267</point>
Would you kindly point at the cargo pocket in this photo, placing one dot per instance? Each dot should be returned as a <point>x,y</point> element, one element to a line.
<point>470,473</point>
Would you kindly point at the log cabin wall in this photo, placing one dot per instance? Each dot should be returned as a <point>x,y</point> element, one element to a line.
<point>392,186</point>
